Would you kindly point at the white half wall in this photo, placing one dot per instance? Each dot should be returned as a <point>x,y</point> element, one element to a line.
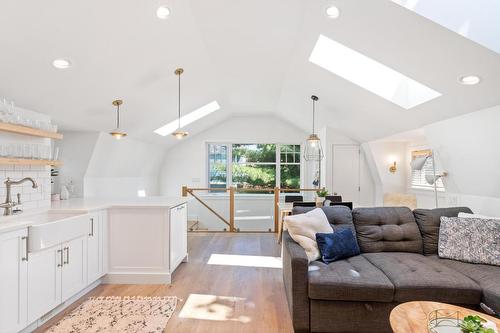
<point>122,168</point>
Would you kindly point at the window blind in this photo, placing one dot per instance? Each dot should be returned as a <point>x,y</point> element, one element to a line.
<point>418,176</point>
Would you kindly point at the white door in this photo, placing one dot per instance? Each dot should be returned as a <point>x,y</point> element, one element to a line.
<point>13,281</point>
<point>74,270</point>
<point>94,245</point>
<point>44,281</point>
<point>346,172</point>
<point>178,235</point>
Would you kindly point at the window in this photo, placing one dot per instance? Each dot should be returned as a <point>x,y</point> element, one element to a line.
<point>253,166</point>
<point>290,166</point>
<point>418,176</point>
<point>217,166</point>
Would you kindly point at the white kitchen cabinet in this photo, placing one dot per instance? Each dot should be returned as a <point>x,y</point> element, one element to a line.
<point>178,235</point>
<point>74,269</point>
<point>95,246</point>
<point>44,281</point>
<point>13,281</point>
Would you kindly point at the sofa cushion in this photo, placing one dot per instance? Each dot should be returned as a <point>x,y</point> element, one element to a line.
<point>429,220</point>
<point>387,229</point>
<point>486,276</point>
<point>417,277</point>
<point>336,215</point>
<point>337,245</point>
<point>470,240</point>
<point>352,279</point>
<point>303,229</point>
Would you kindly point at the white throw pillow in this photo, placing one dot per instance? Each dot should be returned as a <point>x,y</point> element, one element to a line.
<point>477,216</point>
<point>304,227</point>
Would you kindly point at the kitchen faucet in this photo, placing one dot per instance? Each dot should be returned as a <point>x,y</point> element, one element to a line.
<point>9,204</point>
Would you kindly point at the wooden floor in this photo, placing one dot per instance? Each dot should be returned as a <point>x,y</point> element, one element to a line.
<point>250,299</point>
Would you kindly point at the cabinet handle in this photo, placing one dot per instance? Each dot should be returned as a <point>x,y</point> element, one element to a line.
<point>91,227</point>
<point>25,258</point>
<point>60,257</point>
<point>67,255</point>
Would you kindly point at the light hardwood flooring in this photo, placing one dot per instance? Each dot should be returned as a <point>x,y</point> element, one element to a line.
<point>250,299</point>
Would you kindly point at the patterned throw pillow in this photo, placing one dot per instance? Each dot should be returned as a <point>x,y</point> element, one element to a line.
<point>473,240</point>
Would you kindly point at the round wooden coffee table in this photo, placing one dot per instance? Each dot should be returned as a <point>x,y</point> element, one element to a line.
<point>412,317</point>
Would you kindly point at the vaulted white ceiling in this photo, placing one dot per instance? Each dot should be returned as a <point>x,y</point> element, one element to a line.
<point>250,56</point>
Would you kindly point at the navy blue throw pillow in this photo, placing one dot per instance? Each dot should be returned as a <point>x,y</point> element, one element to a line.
<point>338,245</point>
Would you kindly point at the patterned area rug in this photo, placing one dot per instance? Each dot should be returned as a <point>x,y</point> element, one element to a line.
<point>118,314</point>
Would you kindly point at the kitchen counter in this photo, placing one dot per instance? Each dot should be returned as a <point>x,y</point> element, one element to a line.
<point>64,209</point>
<point>90,204</point>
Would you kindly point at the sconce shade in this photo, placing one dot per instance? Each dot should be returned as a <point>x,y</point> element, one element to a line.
<point>418,163</point>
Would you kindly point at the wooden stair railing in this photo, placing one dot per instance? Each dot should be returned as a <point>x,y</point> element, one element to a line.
<point>232,190</point>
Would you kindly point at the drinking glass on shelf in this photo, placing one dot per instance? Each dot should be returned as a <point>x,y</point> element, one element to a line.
<point>27,153</point>
<point>55,156</point>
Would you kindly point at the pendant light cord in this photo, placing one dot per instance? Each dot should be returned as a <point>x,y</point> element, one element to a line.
<point>179,100</point>
<point>314,102</point>
<point>118,116</point>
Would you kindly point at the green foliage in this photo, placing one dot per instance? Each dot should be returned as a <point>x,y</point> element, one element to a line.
<point>322,193</point>
<point>290,176</point>
<point>473,324</point>
<point>254,153</point>
<point>254,175</point>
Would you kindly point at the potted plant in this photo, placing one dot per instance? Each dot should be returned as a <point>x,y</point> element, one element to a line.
<point>320,196</point>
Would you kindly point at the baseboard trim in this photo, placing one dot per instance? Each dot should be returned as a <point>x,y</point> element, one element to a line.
<point>137,278</point>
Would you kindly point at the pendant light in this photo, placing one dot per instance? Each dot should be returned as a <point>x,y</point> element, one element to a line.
<point>179,133</point>
<point>313,150</point>
<point>117,133</point>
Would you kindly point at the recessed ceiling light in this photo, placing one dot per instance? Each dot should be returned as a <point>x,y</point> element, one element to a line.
<point>61,63</point>
<point>469,80</point>
<point>162,12</point>
<point>332,12</point>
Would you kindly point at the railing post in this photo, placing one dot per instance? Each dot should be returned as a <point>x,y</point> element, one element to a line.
<point>231,208</point>
<point>184,191</point>
<point>276,209</point>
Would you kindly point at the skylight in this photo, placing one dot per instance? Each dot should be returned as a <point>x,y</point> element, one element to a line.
<point>370,74</point>
<point>188,119</point>
<point>477,20</point>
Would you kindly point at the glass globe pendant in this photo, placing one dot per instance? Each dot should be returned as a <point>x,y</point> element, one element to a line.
<point>313,150</point>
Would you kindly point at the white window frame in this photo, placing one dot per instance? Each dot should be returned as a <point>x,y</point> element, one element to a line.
<point>229,161</point>
<point>427,169</point>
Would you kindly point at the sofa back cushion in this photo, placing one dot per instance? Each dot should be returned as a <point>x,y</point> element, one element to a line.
<point>387,229</point>
<point>338,216</point>
<point>429,220</point>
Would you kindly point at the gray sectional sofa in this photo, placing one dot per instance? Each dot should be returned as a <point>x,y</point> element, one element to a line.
<point>398,263</point>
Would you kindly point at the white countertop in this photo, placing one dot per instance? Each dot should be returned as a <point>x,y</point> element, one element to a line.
<point>64,209</point>
<point>90,204</point>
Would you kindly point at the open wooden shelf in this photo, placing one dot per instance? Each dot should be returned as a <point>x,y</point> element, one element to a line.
<point>6,127</point>
<point>24,161</point>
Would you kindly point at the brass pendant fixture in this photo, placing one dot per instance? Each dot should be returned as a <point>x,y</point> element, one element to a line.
<point>117,133</point>
<point>313,150</point>
<point>179,133</point>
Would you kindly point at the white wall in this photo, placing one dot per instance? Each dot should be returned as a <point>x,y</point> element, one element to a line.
<point>384,154</point>
<point>466,147</point>
<point>75,151</point>
<point>121,168</point>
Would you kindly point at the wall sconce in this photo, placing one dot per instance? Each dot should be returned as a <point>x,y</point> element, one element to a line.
<point>393,168</point>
